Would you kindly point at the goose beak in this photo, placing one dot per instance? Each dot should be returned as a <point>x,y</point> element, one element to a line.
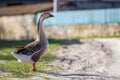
<point>51,16</point>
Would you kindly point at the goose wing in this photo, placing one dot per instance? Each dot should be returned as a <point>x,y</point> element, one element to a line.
<point>29,49</point>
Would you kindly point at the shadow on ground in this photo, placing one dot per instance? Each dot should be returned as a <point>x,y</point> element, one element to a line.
<point>64,41</point>
<point>70,75</point>
<point>13,43</point>
<point>81,76</point>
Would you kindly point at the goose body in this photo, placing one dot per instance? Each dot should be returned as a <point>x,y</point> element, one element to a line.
<point>27,53</point>
<point>27,59</point>
<point>31,53</point>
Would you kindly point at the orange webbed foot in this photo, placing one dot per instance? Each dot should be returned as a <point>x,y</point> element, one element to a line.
<point>34,69</point>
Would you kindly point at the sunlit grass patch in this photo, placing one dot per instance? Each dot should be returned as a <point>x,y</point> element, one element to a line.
<point>48,57</point>
<point>53,46</point>
<point>7,50</point>
<point>21,70</point>
<point>4,56</point>
<point>17,69</point>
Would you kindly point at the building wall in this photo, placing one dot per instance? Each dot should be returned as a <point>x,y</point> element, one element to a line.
<point>17,27</point>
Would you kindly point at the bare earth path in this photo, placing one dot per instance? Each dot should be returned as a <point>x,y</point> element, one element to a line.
<point>97,59</point>
<point>114,45</point>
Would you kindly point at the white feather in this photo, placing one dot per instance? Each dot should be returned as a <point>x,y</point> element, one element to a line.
<point>25,58</point>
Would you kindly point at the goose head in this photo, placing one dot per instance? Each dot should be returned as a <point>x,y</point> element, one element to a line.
<point>46,15</point>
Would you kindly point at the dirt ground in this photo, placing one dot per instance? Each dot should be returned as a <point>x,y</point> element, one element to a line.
<point>95,59</point>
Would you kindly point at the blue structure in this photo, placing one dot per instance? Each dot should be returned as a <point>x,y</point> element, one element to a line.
<point>83,17</point>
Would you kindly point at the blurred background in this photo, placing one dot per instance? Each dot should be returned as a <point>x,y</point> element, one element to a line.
<point>74,52</point>
<point>84,18</point>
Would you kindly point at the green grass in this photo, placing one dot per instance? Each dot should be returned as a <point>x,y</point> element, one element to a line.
<point>8,63</point>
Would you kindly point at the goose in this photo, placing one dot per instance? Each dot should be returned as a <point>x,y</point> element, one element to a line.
<point>32,52</point>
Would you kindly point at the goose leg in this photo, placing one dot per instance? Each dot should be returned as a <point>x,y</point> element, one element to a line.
<point>34,68</point>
